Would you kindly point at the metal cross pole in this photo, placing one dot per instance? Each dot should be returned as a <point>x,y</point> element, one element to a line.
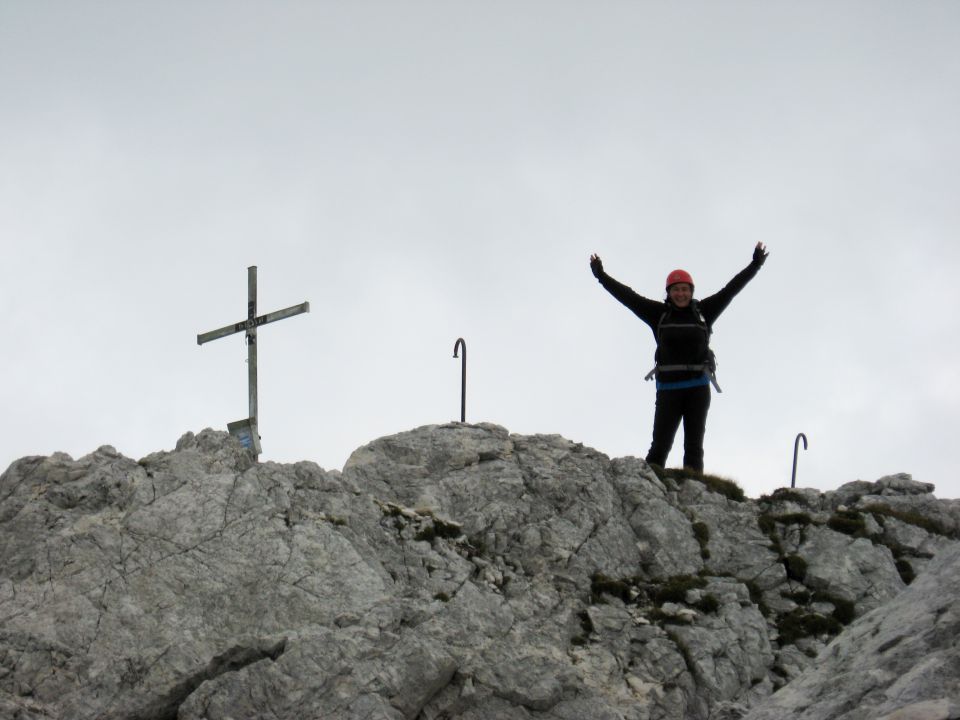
<point>250,326</point>
<point>796,446</point>
<point>461,343</point>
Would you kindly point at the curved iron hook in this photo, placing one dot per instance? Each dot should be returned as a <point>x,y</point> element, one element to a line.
<point>463,377</point>
<point>796,443</point>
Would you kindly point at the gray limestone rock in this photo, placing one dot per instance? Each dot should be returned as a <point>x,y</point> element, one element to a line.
<point>852,569</point>
<point>457,571</point>
<point>899,661</point>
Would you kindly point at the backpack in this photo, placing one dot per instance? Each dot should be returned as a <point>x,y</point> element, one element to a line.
<point>709,366</point>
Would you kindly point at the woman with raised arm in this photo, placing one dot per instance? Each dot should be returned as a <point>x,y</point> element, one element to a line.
<point>685,365</point>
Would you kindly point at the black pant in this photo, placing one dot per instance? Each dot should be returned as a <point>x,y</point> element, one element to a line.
<point>690,405</point>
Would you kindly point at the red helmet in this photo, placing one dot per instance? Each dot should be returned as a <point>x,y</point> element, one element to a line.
<point>679,276</point>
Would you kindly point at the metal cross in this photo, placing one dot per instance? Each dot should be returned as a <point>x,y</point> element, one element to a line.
<point>250,326</point>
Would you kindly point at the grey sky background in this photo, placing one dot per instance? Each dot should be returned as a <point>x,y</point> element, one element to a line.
<point>422,171</point>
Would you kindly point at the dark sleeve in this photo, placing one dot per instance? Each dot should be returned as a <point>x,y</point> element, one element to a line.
<point>644,308</point>
<point>712,306</point>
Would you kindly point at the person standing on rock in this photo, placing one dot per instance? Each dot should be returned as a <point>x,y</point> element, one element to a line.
<point>684,362</point>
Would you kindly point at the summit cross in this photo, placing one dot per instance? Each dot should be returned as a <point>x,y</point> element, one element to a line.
<point>250,326</point>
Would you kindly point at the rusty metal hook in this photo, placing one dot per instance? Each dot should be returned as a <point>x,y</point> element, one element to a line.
<point>463,377</point>
<point>796,444</point>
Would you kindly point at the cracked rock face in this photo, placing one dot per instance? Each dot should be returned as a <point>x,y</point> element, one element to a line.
<point>459,571</point>
<point>900,661</point>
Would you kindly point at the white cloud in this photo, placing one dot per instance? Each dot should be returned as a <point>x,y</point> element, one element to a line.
<point>446,171</point>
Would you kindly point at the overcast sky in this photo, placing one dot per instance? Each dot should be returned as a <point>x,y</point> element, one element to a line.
<point>421,171</point>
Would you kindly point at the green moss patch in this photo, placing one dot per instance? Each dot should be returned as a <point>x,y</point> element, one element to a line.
<point>800,624</point>
<point>844,611</point>
<point>675,589</point>
<point>702,533</point>
<point>756,597</point>
<point>707,604</point>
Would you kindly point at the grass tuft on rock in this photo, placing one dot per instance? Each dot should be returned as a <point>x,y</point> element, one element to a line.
<point>786,495</point>
<point>601,585</point>
<point>911,517</point>
<point>720,485</point>
<point>848,522</point>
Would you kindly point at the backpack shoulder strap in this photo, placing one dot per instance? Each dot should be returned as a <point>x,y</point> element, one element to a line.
<point>702,320</point>
<point>663,316</point>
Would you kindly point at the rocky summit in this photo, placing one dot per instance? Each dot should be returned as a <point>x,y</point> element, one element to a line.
<point>460,571</point>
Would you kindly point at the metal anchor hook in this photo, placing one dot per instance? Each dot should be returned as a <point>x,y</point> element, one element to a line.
<point>463,377</point>
<point>796,443</point>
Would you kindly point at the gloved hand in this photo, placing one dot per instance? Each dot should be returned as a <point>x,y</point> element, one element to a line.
<point>596,265</point>
<point>760,254</point>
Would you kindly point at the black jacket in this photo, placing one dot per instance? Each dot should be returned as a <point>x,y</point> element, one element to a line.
<point>687,344</point>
